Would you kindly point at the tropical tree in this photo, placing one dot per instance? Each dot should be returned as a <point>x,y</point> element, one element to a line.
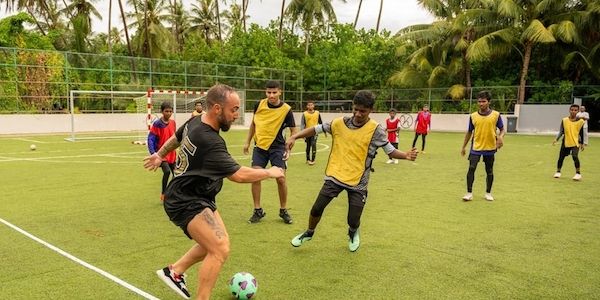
<point>153,38</point>
<point>279,39</point>
<point>180,24</point>
<point>81,12</point>
<point>522,25</point>
<point>204,20</point>
<point>310,14</point>
<point>357,13</point>
<point>234,17</point>
<point>379,16</point>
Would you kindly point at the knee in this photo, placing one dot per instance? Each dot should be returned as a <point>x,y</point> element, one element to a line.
<point>221,250</point>
<point>316,211</point>
<point>281,180</point>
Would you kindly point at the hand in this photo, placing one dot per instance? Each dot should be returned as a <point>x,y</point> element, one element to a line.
<point>245,148</point>
<point>152,162</point>
<point>499,142</point>
<point>276,172</point>
<point>582,147</point>
<point>553,142</point>
<point>289,144</point>
<point>463,152</point>
<point>412,154</point>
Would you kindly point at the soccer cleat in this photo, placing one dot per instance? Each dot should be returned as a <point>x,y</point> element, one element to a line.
<point>311,162</point>
<point>287,219</point>
<point>256,216</point>
<point>557,175</point>
<point>175,281</point>
<point>298,240</point>
<point>489,197</point>
<point>468,197</point>
<point>353,241</point>
<point>577,177</point>
<point>389,161</point>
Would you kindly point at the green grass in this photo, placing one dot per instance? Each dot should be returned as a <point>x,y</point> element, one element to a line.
<point>539,239</point>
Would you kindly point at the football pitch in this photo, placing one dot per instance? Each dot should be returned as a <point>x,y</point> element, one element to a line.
<point>83,220</point>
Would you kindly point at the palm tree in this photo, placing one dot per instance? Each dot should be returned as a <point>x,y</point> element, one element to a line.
<point>379,16</point>
<point>357,13</point>
<point>126,31</point>
<point>279,39</point>
<point>203,19</point>
<point>153,37</point>
<point>523,24</point>
<point>310,14</point>
<point>179,20</point>
<point>234,16</point>
<point>82,12</point>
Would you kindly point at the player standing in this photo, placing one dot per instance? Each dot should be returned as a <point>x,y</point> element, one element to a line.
<point>571,128</point>
<point>160,131</point>
<point>392,125</point>
<point>310,118</point>
<point>422,126</point>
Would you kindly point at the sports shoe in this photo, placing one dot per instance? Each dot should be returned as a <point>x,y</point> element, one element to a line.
<point>354,241</point>
<point>488,197</point>
<point>287,219</point>
<point>577,177</point>
<point>257,215</point>
<point>389,161</point>
<point>557,175</point>
<point>175,281</point>
<point>311,162</point>
<point>468,197</point>
<point>395,161</point>
<point>298,240</point>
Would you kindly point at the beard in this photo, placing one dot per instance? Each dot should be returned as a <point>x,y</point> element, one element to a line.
<point>223,124</point>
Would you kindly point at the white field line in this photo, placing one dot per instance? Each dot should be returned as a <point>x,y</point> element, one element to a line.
<point>81,262</point>
<point>69,158</point>
<point>29,140</point>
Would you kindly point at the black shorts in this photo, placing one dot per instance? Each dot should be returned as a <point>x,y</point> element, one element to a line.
<point>260,157</point>
<point>182,208</point>
<point>566,151</point>
<point>332,190</point>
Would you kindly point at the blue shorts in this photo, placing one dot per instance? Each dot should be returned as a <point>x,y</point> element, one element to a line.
<point>260,157</point>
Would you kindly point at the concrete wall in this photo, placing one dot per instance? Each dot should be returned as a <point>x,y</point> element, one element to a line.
<point>61,123</point>
<point>540,118</point>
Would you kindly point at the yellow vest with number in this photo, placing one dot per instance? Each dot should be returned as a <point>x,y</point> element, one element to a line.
<point>267,122</point>
<point>572,129</point>
<point>349,151</point>
<point>311,120</point>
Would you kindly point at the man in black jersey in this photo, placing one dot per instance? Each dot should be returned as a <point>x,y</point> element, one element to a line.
<point>202,163</point>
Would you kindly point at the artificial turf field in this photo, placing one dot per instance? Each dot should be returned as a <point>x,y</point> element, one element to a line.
<point>93,200</point>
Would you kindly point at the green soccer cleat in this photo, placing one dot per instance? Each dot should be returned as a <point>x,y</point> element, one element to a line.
<point>354,241</point>
<point>298,240</point>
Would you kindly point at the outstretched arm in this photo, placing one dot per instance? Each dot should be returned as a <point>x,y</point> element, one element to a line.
<point>289,144</point>
<point>153,161</point>
<point>247,175</point>
<point>410,155</point>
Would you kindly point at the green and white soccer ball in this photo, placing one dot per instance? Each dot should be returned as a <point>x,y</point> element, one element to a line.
<point>243,286</point>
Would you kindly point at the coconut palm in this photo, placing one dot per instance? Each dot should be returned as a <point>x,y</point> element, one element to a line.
<point>379,16</point>
<point>357,13</point>
<point>521,25</point>
<point>82,12</point>
<point>203,19</point>
<point>234,16</point>
<point>310,14</point>
<point>153,38</point>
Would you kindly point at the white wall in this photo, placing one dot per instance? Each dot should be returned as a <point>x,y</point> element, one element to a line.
<point>61,123</point>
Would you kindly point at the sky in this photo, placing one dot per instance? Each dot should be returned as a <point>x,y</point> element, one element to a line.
<point>396,14</point>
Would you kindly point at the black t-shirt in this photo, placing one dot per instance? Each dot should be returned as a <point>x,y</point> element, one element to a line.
<point>202,163</point>
<point>289,121</point>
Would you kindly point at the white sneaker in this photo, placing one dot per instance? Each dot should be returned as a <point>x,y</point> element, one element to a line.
<point>468,197</point>
<point>577,177</point>
<point>488,197</point>
<point>395,161</point>
<point>389,161</point>
<point>557,175</point>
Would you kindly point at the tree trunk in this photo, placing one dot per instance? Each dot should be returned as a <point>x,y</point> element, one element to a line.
<point>281,24</point>
<point>218,20</point>
<point>307,33</point>
<point>127,39</point>
<point>379,16</point>
<point>357,14</point>
<point>524,69</point>
<point>109,25</point>
<point>244,8</point>
<point>467,71</point>
<point>37,24</point>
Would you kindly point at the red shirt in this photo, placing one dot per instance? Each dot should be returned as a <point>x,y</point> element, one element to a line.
<point>423,122</point>
<point>158,136</point>
<point>392,127</point>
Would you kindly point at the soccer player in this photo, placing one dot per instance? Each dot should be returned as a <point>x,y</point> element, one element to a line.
<point>484,143</point>
<point>392,125</point>
<point>202,163</point>
<point>197,109</point>
<point>310,118</point>
<point>355,143</point>
<point>271,117</point>
<point>422,126</point>
<point>582,114</point>
<point>160,131</point>
<point>571,128</point>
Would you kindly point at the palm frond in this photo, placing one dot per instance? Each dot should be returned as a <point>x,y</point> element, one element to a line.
<point>536,32</point>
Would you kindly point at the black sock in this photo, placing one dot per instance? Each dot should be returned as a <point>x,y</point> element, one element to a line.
<point>351,232</point>
<point>282,210</point>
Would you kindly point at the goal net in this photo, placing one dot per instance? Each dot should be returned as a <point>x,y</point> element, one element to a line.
<point>129,114</point>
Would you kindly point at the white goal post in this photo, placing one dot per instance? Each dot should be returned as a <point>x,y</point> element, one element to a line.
<point>129,114</point>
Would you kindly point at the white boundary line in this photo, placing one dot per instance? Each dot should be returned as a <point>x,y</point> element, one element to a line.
<point>81,262</point>
<point>28,140</point>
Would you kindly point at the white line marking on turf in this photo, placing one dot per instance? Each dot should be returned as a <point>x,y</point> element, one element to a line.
<point>29,140</point>
<point>81,262</point>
